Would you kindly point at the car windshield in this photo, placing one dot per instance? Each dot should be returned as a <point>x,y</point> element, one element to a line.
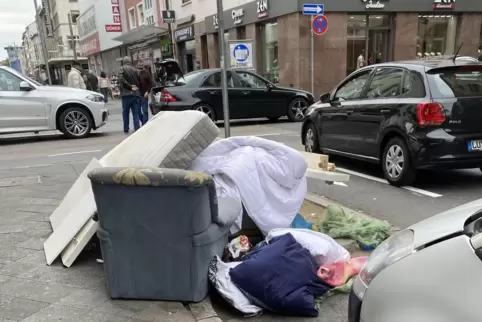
<point>460,81</point>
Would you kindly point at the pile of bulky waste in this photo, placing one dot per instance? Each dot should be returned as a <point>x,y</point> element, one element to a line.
<point>294,269</point>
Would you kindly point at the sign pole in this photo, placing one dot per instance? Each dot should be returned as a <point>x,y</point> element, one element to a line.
<point>312,59</point>
<point>43,39</point>
<point>224,68</point>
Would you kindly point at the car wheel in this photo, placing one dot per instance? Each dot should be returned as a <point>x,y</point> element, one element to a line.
<point>206,109</point>
<point>396,163</point>
<point>75,123</point>
<point>297,109</point>
<point>311,139</point>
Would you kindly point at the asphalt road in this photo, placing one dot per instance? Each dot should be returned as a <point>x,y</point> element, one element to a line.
<point>366,191</point>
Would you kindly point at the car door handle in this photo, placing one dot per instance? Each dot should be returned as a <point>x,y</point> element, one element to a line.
<point>350,112</point>
<point>385,111</point>
<point>246,92</point>
<point>213,92</point>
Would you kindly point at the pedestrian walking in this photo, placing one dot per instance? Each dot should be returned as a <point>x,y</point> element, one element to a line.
<point>104,86</point>
<point>74,78</point>
<point>92,82</point>
<point>146,85</point>
<point>129,90</point>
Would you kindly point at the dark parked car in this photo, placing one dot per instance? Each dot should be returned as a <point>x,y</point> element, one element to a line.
<point>404,115</point>
<point>250,96</point>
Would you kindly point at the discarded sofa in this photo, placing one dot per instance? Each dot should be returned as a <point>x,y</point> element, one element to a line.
<point>158,230</point>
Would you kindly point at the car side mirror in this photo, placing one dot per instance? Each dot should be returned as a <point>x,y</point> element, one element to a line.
<point>24,86</point>
<point>325,98</point>
<point>270,86</point>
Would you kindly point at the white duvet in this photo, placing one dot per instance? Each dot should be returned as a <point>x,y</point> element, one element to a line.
<point>267,176</point>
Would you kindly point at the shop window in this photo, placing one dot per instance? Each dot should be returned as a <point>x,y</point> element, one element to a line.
<point>437,35</point>
<point>479,52</point>
<point>269,50</point>
<point>356,42</point>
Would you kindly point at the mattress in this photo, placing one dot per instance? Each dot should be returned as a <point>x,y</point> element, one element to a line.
<point>170,139</point>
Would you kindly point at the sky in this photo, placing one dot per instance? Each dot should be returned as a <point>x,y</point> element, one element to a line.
<point>15,15</point>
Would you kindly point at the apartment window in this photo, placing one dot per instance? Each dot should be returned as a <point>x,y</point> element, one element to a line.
<point>186,1</point>
<point>140,13</point>
<point>56,20</point>
<point>147,4</point>
<point>73,0</point>
<point>150,20</point>
<point>132,18</point>
<point>74,16</point>
<point>71,43</point>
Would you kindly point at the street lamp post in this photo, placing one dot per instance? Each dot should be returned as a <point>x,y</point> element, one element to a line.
<point>224,68</point>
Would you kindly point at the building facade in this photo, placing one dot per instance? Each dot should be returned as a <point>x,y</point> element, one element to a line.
<point>100,23</point>
<point>378,31</point>
<point>146,36</point>
<point>32,50</point>
<point>62,37</point>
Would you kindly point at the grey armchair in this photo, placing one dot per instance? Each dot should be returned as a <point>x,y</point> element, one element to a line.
<point>158,231</point>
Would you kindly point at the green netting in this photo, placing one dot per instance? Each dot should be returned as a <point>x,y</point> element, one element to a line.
<point>368,232</point>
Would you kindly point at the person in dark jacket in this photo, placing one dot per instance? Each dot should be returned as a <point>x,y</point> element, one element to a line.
<point>146,85</point>
<point>129,91</point>
<point>92,82</point>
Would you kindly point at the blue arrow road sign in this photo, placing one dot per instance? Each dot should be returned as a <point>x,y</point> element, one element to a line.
<point>313,9</point>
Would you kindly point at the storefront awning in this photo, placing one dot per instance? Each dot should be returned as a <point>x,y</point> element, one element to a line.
<point>139,34</point>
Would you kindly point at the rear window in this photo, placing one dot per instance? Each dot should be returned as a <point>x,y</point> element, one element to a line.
<point>461,81</point>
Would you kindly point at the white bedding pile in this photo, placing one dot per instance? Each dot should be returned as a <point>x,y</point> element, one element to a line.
<point>267,176</point>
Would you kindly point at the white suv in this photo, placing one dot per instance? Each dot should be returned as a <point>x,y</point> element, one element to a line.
<point>28,106</point>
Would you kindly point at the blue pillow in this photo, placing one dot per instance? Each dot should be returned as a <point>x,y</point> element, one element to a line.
<point>281,277</point>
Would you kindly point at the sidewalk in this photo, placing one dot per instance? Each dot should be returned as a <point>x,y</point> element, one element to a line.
<point>32,291</point>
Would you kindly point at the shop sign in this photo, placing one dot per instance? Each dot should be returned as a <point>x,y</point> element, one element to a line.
<point>215,22</point>
<point>49,26</point>
<point>87,23</point>
<point>241,53</point>
<point>116,25</point>
<point>262,8</point>
<point>90,45</point>
<point>374,4</point>
<point>237,15</point>
<point>184,34</point>
<point>443,4</point>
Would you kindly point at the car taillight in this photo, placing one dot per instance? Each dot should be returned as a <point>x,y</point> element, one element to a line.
<point>166,96</point>
<point>430,114</point>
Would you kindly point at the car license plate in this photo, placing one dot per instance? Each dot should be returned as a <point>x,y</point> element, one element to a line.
<point>475,145</point>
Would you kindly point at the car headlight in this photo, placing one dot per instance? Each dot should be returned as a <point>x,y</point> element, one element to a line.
<point>95,98</point>
<point>390,251</point>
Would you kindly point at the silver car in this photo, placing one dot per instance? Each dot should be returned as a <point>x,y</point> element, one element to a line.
<point>28,106</point>
<point>429,272</point>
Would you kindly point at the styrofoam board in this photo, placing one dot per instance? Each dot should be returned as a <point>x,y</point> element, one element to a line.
<point>326,175</point>
<point>78,243</point>
<point>137,150</point>
<point>80,187</point>
<point>77,217</point>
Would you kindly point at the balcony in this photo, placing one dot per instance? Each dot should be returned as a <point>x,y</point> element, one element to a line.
<point>62,54</point>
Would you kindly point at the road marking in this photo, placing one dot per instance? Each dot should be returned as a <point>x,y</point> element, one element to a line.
<point>34,166</point>
<point>277,134</point>
<point>369,177</point>
<point>69,153</point>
